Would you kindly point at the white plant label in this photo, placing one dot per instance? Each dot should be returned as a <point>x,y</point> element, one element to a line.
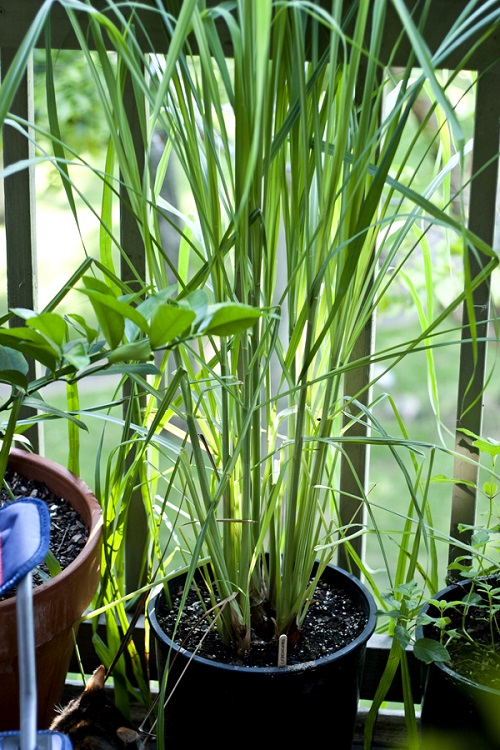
<point>282,647</point>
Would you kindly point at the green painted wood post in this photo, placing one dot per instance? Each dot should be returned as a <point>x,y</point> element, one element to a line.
<point>483,197</point>
<point>20,219</point>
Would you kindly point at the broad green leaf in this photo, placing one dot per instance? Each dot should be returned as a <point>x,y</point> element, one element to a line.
<point>480,537</point>
<point>12,361</point>
<point>463,568</point>
<point>439,622</point>
<point>30,343</point>
<point>394,614</point>
<point>167,323</point>
<point>424,619</point>
<point>97,285</point>
<point>148,307</point>
<point>14,378</point>
<point>402,635</point>
<point>434,602</point>
<point>76,354</point>
<point>52,411</point>
<point>475,598</point>
<point>442,479</point>
<point>485,445</point>
<point>429,650</point>
<point>51,325</point>
<point>108,304</point>
<point>407,589</point>
<point>489,446</point>
<point>198,302</point>
<point>131,369</point>
<point>83,327</point>
<point>23,312</point>
<point>139,351</point>
<point>490,489</point>
<point>228,318</point>
<point>111,322</point>
<point>151,303</point>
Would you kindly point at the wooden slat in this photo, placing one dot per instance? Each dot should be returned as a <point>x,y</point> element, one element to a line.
<point>20,198</point>
<point>132,244</point>
<point>390,731</point>
<point>482,210</point>
<point>18,14</point>
<point>130,235</point>
<point>355,460</point>
<point>20,210</point>
<point>355,456</point>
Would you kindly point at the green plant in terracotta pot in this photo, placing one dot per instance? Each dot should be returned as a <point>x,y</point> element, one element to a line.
<point>69,350</point>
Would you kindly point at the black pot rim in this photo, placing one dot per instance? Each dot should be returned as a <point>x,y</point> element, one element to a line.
<point>464,584</point>
<point>158,595</point>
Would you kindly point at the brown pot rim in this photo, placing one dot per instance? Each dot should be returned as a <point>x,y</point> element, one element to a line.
<point>94,518</point>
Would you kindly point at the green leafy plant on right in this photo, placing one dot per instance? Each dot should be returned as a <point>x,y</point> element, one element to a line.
<point>471,623</point>
<point>405,602</point>
<point>467,626</point>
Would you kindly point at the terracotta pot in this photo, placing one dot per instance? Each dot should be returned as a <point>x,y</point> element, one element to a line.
<point>57,604</point>
<point>268,706</point>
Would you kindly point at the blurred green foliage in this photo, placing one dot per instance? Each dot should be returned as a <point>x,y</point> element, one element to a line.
<point>79,108</point>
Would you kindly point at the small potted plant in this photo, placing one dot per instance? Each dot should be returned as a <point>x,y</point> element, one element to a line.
<point>455,633</point>
<point>461,696</point>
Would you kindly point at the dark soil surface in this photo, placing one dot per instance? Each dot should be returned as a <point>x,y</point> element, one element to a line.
<point>68,533</point>
<point>332,622</point>
<point>477,660</point>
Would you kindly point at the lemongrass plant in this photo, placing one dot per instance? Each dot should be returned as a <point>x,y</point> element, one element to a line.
<point>305,212</point>
<point>296,142</point>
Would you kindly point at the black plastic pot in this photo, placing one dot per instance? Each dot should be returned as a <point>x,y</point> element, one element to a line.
<point>456,712</point>
<point>220,704</point>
